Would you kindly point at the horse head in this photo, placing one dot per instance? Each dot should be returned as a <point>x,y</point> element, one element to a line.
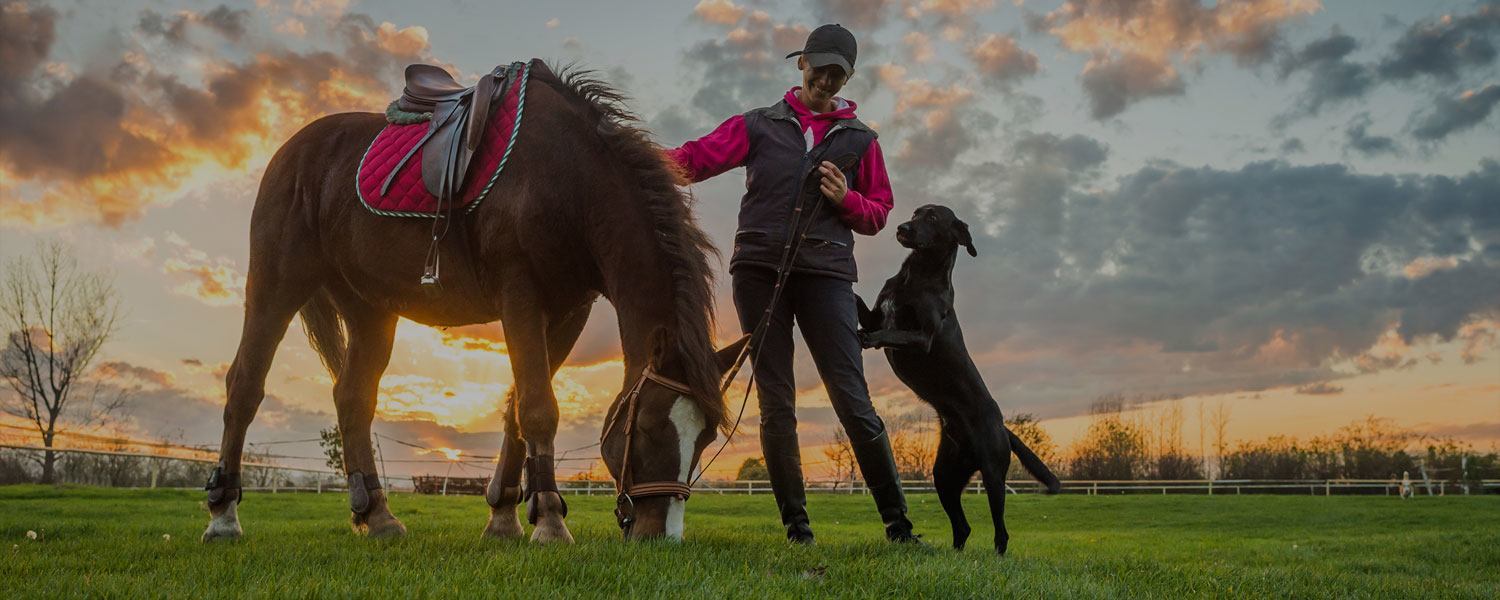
<point>653,439</point>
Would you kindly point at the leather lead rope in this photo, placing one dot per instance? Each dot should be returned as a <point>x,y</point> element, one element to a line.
<point>783,270</point>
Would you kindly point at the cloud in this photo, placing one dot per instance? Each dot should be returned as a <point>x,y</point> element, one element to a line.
<point>1000,61</point>
<point>1269,275</point>
<point>1441,48</point>
<point>855,14</point>
<point>718,12</point>
<point>1451,115</point>
<point>1292,146</point>
<point>1358,139</point>
<point>212,281</point>
<point>919,45</point>
<point>1321,388</point>
<point>106,143</point>
<point>1332,78</point>
<point>1113,83</point>
<point>935,124</point>
<point>1135,47</point>
<point>121,371</point>
<point>227,22</point>
<point>553,22</point>
<point>745,67</point>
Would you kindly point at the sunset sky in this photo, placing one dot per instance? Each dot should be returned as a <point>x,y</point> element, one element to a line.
<point>1288,207</point>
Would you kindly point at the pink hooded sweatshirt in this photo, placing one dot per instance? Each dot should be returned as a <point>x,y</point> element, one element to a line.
<point>869,199</point>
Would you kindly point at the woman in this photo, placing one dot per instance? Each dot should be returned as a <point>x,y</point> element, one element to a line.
<point>778,145</point>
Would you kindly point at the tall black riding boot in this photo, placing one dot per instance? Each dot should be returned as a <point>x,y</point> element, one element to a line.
<point>879,468</point>
<point>784,462</point>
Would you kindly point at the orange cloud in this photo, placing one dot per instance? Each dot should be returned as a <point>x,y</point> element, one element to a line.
<point>721,12</point>
<point>1001,59</point>
<point>212,281</point>
<point>105,144</point>
<point>1134,45</point>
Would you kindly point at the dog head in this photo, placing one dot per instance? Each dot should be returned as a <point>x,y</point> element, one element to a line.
<point>933,226</point>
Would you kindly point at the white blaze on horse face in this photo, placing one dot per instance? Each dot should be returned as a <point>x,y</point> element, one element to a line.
<point>688,421</point>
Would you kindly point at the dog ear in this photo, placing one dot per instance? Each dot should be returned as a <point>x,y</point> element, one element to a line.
<point>961,229</point>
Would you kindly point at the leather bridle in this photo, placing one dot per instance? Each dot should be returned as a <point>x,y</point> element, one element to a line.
<point>626,489</point>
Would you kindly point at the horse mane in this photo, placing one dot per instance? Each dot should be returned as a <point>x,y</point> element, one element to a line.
<point>678,237</point>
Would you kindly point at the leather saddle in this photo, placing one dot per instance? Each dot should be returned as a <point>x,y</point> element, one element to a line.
<point>460,116</point>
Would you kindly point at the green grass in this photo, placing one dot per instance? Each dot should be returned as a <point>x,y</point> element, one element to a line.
<point>101,542</point>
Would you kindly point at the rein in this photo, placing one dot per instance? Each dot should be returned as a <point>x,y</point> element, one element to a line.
<point>627,491</point>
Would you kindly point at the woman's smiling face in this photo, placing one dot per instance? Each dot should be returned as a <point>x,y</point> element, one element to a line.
<point>821,84</point>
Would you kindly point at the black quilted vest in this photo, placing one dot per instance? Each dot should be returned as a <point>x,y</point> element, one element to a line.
<point>776,168</point>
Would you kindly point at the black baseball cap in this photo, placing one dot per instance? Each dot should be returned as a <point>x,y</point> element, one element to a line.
<point>830,45</point>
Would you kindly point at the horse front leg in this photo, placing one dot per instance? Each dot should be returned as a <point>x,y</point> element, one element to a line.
<point>525,325</point>
<point>504,490</point>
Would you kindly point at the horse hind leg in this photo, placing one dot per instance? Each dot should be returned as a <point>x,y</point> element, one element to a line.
<point>274,293</point>
<point>355,392</point>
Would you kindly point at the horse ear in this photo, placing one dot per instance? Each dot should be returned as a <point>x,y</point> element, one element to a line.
<point>728,355</point>
<point>961,229</point>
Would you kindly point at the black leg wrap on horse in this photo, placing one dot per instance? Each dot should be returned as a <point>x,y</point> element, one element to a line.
<point>878,465</point>
<point>784,464</point>
<point>540,477</point>
<point>496,496</point>
<point>224,487</point>
<point>360,486</point>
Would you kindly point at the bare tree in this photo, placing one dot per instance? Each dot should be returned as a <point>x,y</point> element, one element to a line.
<point>914,440</point>
<point>1219,420</point>
<point>55,317</point>
<point>841,455</point>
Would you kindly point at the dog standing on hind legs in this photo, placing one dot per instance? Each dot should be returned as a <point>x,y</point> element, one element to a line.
<point>915,323</point>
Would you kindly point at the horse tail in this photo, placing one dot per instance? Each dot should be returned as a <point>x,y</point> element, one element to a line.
<point>1033,464</point>
<point>325,330</point>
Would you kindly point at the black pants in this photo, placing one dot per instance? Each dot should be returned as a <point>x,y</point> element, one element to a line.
<point>824,309</point>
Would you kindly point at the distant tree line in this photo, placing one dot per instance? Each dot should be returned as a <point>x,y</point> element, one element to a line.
<point>1142,439</point>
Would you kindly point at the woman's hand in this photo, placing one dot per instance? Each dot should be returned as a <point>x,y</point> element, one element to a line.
<point>833,186</point>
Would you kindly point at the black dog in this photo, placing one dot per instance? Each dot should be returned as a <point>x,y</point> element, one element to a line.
<point>914,322</point>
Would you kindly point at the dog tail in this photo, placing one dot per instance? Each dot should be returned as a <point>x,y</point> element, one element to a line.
<point>1033,464</point>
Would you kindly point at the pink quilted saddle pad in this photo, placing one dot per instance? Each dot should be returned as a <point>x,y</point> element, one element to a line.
<point>407,196</point>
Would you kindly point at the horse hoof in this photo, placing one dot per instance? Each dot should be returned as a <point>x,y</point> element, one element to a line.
<point>503,527</point>
<point>220,533</point>
<point>390,529</point>
<point>223,526</point>
<point>551,534</point>
<point>379,526</point>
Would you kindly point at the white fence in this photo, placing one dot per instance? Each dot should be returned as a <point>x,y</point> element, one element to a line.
<point>127,469</point>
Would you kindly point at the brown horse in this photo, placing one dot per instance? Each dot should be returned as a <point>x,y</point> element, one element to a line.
<point>588,206</point>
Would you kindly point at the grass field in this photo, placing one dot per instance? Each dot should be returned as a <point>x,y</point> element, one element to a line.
<point>101,542</point>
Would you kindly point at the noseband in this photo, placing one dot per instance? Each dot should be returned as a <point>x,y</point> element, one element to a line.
<point>627,490</point>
